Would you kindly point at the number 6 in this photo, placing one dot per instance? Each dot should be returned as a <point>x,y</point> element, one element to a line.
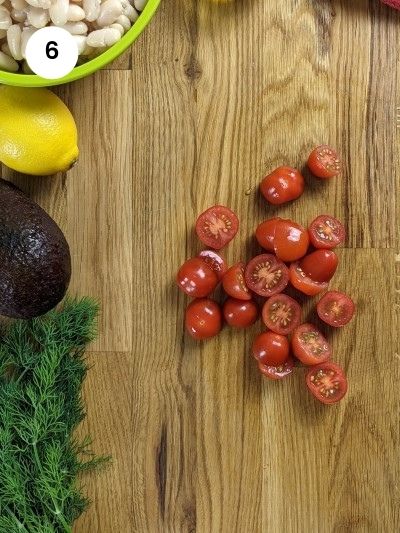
<point>51,50</point>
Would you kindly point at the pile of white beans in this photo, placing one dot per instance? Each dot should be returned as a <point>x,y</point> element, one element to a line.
<point>95,25</point>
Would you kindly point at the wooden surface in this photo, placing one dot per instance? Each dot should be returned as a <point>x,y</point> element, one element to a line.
<point>208,100</point>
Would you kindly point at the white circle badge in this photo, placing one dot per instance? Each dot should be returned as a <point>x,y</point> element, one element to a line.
<point>52,53</point>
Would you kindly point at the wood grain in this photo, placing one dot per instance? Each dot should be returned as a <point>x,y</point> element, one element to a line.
<point>212,96</point>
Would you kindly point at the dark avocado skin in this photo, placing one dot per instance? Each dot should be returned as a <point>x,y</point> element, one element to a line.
<point>35,261</point>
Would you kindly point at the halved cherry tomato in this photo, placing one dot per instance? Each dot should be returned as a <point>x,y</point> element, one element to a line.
<point>336,309</point>
<point>282,185</point>
<point>215,261</point>
<point>320,265</point>
<point>326,232</point>
<point>291,240</point>
<point>324,162</point>
<point>271,349</point>
<point>203,319</point>
<point>266,275</point>
<point>234,284</point>
<point>240,313</point>
<point>327,382</point>
<point>265,233</point>
<point>310,346</point>
<point>281,314</point>
<point>303,283</point>
<point>277,372</point>
<point>217,226</point>
<point>196,279</point>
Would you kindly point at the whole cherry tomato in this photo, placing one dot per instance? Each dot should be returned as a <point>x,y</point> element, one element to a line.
<point>240,313</point>
<point>282,185</point>
<point>271,349</point>
<point>291,240</point>
<point>196,278</point>
<point>203,318</point>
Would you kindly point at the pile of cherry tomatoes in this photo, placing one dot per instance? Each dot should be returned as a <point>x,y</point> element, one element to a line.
<point>287,259</point>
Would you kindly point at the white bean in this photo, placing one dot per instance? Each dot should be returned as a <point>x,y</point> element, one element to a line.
<point>110,10</point>
<point>75,13</point>
<point>6,49</point>
<point>129,11</point>
<point>125,22</point>
<point>26,35</point>
<point>118,27</point>
<point>59,12</point>
<point>5,19</point>
<point>103,37</point>
<point>18,15</point>
<point>14,34</point>
<point>44,4</point>
<point>140,4</point>
<point>37,17</point>
<point>8,63</point>
<point>3,33</point>
<point>80,42</point>
<point>18,4</point>
<point>1,1</point>
<point>76,28</point>
<point>92,9</point>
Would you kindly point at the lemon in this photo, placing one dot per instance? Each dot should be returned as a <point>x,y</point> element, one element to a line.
<point>38,134</point>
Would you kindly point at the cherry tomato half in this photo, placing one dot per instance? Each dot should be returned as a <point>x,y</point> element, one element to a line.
<point>266,275</point>
<point>320,265</point>
<point>303,283</point>
<point>310,346</point>
<point>281,314</point>
<point>326,232</point>
<point>234,284</point>
<point>215,261</point>
<point>265,233</point>
<point>277,372</point>
<point>271,349</point>
<point>240,313</point>
<point>336,309</point>
<point>282,185</point>
<point>217,226</point>
<point>324,162</point>
<point>203,319</point>
<point>327,382</point>
<point>291,240</point>
<point>196,279</point>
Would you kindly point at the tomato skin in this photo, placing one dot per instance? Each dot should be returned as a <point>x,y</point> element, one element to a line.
<point>336,309</point>
<point>281,314</point>
<point>215,261</point>
<point>320,265</point>
<point>283,185</point>
<point>310,346</point>
<point>266,275</point>
<point>324,162</point>
<point>234,284</point>
<point>303,283</point>
<point>203,319</point>
<point>270,348</point>
<point>326,232</point>
<point>277,372</point>
<point>196,279</point>
<point>265,233</point>
<point>291,240</point>
<point>240,313</point>
<point>327,382</point>
<point>217,226</point>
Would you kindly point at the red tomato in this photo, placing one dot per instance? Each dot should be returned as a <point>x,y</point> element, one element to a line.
<point>271,349</point>
<point>217,226</point>
<point>266,275</point>
<point>234,284</point>
<point>327,382</point>
<point>203,319</point>
<point>277,372</point>
<point>310,346</point>
<point>291,240</point>
<point>196,278</point>
<point>336,309</point>
<point>326,232</point>
<point>324,162</point>
<point>240,313</point>
<point>215,261</point>
<point>281,314</point>
<point>282,185</point>
<point>320,265</point>
<point>303,283</point>
<point>265,233</point>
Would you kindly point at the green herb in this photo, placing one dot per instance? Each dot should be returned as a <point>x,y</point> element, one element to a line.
<point>42,368</point>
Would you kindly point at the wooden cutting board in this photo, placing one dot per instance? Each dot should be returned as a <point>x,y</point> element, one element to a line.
<point>211,98</point>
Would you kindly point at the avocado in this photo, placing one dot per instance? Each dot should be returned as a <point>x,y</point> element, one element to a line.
<point>35,261</point>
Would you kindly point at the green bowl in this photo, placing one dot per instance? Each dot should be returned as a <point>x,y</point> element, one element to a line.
<point>28,80</point>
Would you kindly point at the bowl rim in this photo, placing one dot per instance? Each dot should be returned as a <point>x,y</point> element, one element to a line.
<point>86,69</point>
